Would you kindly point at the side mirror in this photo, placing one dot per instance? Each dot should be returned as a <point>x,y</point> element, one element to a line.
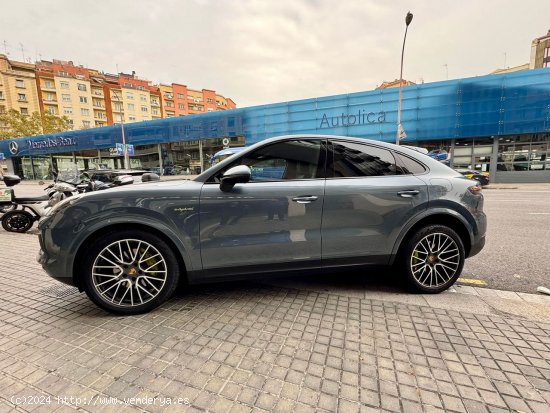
<point>237,175</point>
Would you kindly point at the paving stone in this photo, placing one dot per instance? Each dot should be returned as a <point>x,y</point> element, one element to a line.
<point>245,347</point>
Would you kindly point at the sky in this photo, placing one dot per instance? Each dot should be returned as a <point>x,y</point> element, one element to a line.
<point>266,51</point>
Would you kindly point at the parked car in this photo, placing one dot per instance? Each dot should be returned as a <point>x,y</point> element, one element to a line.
<point>481,177</point>
<point>438,154</point>
<point>292,203</point>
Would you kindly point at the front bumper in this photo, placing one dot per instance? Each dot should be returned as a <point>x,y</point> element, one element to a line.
<point>52,263</point>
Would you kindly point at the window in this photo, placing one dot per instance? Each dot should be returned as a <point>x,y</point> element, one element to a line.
<point>350,159</point>
<point>24,111</point>
<point>83,99</point>
<point>67,110</point>
<point>51,110</point>
<point>21,97</point>
<point>169,104</point>
<point>143,98</point>
<point>85,112</point>
<point>408,166</point>
<point>131,118</point>
<point>118,118</point>
<point>144,109</point>
<point>81,87</point>
<point>1,95</point>
<point>181,96</point>
<point>20,83</point>
<point>209,100</point>
<point>131,106</point>
<point>66,98</point>
<point>50,97</point>
<point>48,84</point>
<point>295,159</point>
<point>129,96</point>
<point>62,73</point>
<point>64,85</point>
<point>85,123</point>
<point>155,111</point>
<point>181,106</point>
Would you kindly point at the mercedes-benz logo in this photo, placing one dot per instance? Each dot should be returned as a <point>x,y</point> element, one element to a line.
<point>14,147</point>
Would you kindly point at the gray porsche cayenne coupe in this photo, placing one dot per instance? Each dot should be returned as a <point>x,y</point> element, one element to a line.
<point>292,203</point>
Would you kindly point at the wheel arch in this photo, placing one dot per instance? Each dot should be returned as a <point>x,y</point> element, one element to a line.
<point>97,234</point>
<point>451,219</point>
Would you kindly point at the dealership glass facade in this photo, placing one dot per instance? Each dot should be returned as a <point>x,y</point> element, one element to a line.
<point>495,123</point>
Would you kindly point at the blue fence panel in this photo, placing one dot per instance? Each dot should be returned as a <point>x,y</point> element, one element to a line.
<point>491,105</point>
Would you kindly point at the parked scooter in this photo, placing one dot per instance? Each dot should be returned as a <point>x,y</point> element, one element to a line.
<point>6,196</point>
<point>23,212</point>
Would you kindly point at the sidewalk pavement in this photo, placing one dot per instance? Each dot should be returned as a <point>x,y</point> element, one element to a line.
<point>323,344</point>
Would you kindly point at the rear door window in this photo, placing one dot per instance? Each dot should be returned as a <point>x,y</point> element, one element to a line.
<point>352,159</point>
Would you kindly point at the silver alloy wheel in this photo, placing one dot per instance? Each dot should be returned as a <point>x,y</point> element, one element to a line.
<point>435,260</point>
<point>129,273</point>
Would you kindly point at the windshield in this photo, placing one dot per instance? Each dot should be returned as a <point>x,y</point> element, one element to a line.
<point>69,173</point>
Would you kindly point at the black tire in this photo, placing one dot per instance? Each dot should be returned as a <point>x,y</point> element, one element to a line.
<point>17,221</point>
<point>91,280</point>
<point>432,272</point>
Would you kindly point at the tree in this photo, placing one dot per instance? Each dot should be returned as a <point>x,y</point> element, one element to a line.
<point>14,124</point>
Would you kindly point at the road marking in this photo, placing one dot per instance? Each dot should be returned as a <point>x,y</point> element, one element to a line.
<point>538,213</point>
<point>471,281</point>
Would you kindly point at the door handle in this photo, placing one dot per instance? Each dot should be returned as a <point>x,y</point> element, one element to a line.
<point>305,199</point>
<point>409,193</point>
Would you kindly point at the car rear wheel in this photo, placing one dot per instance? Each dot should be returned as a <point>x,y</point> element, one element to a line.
<point>432,259</point>
<point>130,272</point>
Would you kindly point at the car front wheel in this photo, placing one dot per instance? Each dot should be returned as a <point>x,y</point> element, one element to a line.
<point>130,272</point>
<point>432,259</point>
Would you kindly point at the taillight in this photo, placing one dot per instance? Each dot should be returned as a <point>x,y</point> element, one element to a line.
<point>475,189</point>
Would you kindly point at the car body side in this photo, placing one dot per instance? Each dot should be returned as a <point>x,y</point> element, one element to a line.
<point>172,211</point>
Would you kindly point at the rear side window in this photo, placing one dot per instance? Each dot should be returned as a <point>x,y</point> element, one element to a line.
<point>351,159</point>
<point>408,166</point>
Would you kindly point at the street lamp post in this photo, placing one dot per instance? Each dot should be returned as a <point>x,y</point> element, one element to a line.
<point>124,150</point>
<point>400,130</point>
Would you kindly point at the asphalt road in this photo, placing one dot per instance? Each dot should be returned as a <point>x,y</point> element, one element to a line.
<point>516,256</point>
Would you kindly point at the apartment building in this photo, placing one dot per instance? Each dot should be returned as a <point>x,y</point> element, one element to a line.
<point>179,100</point>
<point>90,98</point>
<point>18,86</point>
<point>540,52</point>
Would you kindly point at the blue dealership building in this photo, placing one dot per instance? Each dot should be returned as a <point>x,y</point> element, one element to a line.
<point>497,123</point>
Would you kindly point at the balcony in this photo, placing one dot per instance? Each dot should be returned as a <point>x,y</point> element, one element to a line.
<point>50,87</point>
